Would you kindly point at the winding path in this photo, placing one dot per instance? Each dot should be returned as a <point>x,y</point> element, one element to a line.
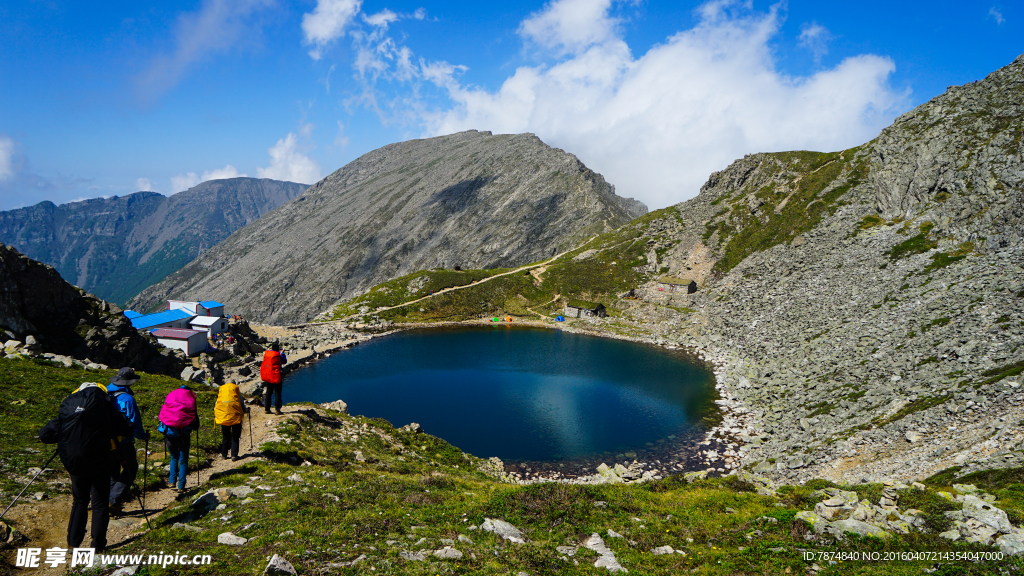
<point>471,284</point>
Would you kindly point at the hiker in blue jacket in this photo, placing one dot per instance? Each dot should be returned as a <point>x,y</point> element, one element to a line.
<point>126,463</point>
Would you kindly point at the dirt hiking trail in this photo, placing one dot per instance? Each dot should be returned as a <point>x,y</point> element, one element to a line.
<point>45,522</point>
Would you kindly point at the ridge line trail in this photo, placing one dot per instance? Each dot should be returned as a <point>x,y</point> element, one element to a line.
<point>471,284</point>
<point>45,522</point>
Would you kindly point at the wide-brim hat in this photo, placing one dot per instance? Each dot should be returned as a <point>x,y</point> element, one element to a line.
<point>125,377</point>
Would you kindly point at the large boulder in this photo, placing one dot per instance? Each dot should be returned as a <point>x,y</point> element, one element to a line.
<point>1012,544</point>
<point>278,566</point>
<point>504,529</point>
<point>977,509</point>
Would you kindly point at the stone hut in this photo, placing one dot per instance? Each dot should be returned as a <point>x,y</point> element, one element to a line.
<point>579,312</point>
<point>672,285</point>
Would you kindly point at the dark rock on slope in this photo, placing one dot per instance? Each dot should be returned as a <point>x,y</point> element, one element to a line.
<point>36,301</point>
<point>117,246</point>
<point>471,199</point>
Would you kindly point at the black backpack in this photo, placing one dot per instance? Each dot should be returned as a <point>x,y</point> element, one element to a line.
<point>85,427</point>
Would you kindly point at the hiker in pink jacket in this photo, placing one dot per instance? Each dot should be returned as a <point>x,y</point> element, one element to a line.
<point>178,418</point>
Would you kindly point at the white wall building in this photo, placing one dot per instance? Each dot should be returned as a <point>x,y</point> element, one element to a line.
<point>192,342</point>
<point>212,325</point>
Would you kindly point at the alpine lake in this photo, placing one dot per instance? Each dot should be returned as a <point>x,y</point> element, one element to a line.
<point>539,399</point>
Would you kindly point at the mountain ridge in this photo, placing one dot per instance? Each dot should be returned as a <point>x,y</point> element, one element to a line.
<point>117,246</point>
<point>470,199</point>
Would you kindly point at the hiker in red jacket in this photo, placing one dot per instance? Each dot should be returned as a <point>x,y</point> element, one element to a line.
<point>270,373</point>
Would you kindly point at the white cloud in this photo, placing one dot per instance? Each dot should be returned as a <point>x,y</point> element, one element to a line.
<point>288,163</point>
<point>217,26</point>
<point>657,125</point>
<point>143,185</point>
<point>815,38</point>
<point>183,182</point>
<point>572,25</point>
<point>6,157</point>
<point>228,171</point>
<point>382,18</point>
<point>327,23</point>
<point>997,15</point>
<point>188,180</point>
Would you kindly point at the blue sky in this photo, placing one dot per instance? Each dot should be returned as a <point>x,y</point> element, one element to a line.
<point>100,99</point>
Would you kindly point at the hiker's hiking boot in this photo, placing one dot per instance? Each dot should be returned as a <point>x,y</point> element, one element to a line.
<point>278,411</point>
<point>116,509</point>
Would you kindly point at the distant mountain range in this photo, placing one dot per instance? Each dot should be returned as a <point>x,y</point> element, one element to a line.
<point>114,247</point>
<point>472,199</point>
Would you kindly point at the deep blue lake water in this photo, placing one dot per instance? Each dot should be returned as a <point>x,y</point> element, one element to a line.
<point>522,394</point>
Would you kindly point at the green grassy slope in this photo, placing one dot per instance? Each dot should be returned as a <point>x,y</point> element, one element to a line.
<point>402,487</point>
<point>598,278</point>
<point>414,486</point>
<point>31,392</point>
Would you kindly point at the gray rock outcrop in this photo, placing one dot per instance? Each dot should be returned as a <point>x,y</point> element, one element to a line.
<point>278,566</point>
<point>38,307</point>
<point>504,530</point>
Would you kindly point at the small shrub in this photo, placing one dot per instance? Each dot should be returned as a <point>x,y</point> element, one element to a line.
<point>937,322</point>
<point>944,259</point>
<point>918,244</point>
<point>867,222</point>
<point>932,505</point>
<point>735,484</point>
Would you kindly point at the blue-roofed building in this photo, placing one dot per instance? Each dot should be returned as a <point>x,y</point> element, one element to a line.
<point>212,308</point>
<point>167,319</point>
<point>203,308</point>
<point>129,314</point>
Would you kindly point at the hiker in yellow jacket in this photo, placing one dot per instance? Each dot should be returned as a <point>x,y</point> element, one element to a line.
<point>228,413</point>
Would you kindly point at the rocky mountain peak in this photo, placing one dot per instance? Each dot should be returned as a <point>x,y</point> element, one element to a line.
<point>955,160</point>
<point>471,199</point>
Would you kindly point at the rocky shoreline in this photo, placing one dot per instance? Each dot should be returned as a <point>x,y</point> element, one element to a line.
<point>718,451</point>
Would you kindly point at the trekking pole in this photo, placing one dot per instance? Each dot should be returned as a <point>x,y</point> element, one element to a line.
<point>144,515</point>
<point>250,428</point>
<point>50,459</point>
<point>145,474</point>
<point>197,457</point>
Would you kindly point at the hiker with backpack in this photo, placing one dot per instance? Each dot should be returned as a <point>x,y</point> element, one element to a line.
<point>87,428</point>
<point>228,414</point>
<point>270,373</point>
<point>126,462</point>
<point>178,418</point>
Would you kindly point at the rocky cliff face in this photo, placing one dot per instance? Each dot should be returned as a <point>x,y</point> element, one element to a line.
<point>117,246</point>
<point>471,200</point>
<point>865,307</point>
<point>62,319</point>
